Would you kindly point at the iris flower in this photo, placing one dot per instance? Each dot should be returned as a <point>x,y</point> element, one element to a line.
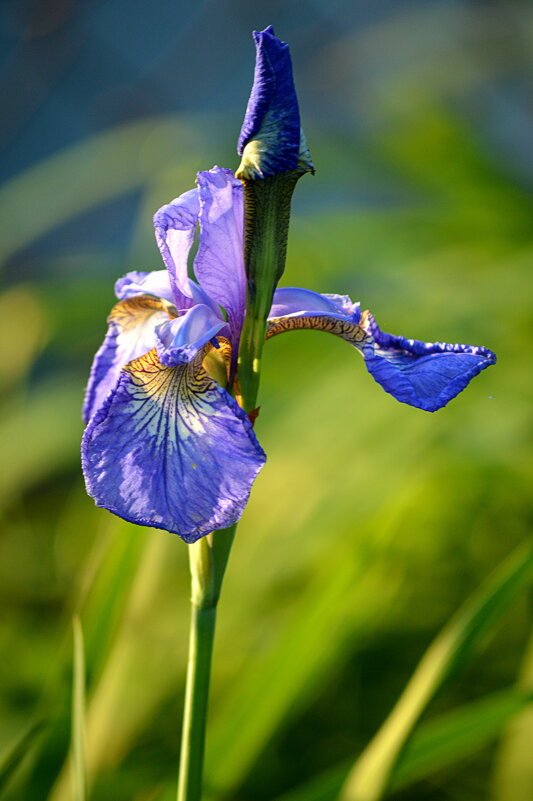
<point>167,444</point>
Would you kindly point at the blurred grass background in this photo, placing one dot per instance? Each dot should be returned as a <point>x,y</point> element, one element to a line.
<point>372,521</point>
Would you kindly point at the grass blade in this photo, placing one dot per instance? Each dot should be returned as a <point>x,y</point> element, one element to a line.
<point>324,787</point>
<point>79,771</point>
<point>441,742</point>
<point>457,735</point>
<point>371,774</point>
<point>513,778</point>
<point>10,761</point>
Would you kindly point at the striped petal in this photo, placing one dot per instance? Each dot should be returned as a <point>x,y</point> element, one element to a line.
<point>171,449</point>
<point>130,333</point>
<point>426,375</point>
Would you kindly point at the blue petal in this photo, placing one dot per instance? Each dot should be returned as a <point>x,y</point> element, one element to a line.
<point>219,263</point>
<point>156,283</point>
<point>179,340</point>
<point>271,140</point>
<point>175,228</point>
<point>199,295</point>
<point>131,333</point>
<point>171,449</point>
<point>422,374</point>
<point>303,302</point>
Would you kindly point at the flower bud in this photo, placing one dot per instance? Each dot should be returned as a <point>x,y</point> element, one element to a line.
<point>271,139</point>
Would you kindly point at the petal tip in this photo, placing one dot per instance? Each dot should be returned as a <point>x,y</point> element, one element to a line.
<point>427,375</point>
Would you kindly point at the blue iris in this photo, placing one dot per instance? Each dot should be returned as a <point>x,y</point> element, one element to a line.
<point>166,444</point>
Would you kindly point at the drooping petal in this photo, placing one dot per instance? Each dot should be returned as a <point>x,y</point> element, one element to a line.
<point>156,283</point>
<point>219,263</point>
<point>422,374</point>
<point>175,227</point>
<point>171,449</point>
<point>179,340</point>
<point>271,140</point>
<point>130,334</point>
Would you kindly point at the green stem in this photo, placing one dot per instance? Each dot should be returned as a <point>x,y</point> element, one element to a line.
<point>196,698</point>
<point>208,559</point>
<point>251,350</point>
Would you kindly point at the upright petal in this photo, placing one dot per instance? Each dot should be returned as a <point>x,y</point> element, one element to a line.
<point>171,449</point>
<point>175,228</point>
<point>422,374</point>
<point>130,333</point>
<point>156,283</point>
<point>271,140</point>
<point>179,340</point>
<point>219,263</point>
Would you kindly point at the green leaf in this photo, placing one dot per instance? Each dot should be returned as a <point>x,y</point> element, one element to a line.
<point>457,735</point>
<point>323,787</point>
<point>371,774</point>
<point>513,776</point>
<point>14,755</point>
<point>79,772</point>
<point>440,742</point>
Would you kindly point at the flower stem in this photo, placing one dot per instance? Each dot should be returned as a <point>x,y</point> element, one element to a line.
<point>208,559</point>
<point>201,638</point>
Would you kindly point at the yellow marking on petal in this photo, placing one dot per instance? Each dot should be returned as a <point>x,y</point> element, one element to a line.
<point>351,332</point>
<point>184,394</point>
<point>217,361</point>
<point>157,380</point>
<point>127,313</point>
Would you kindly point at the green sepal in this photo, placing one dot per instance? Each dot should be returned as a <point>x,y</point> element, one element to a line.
<point>267,208</point>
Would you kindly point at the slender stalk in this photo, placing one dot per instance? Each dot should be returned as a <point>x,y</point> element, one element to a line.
<point>79,772</point>
<point>196,699</point>
<point>208,559</point>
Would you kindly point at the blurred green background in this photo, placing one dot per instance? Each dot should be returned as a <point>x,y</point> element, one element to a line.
<point>372,521</point>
